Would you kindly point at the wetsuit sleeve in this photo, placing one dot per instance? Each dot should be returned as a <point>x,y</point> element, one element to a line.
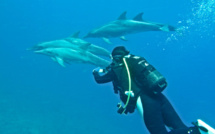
<point>107,77</point>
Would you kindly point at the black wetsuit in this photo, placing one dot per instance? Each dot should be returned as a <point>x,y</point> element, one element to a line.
<point>158,112</point>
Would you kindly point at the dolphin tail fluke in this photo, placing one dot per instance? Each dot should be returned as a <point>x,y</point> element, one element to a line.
<point>165,28</point>
<point>171,28</point>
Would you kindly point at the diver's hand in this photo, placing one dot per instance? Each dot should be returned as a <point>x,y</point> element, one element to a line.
<point>98,70</point>
<point>129,109</point>
<point>95,71</point>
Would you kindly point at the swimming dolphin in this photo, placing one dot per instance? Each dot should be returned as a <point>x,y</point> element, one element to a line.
<point>73,42</point>
<point>74,39</point>
<point>67,55</point>
<point>123,26</point>
<point>56,44</point>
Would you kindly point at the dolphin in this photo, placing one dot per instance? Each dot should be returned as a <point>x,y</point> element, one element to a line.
<point>73,42</point>
<point>123,26</point>
<point>74,39</point>
<point>68,55</point>
<point>55,44</point>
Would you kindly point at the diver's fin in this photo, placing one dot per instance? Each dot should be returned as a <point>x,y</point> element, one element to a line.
<point>75,35</point>
<point>60,61</point>
<point>164,28</point>
<point>123,38</point>
<point>107,40</point>
<point>204,125</point>
<point>122,16</point>
<point>200,127</point>
<point>138,17</point>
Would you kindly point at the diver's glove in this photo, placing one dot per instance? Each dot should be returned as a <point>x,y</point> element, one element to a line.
<point>126,110</point>
<point>98,70</point>
<point>129,109</point>
<point>196,128</point>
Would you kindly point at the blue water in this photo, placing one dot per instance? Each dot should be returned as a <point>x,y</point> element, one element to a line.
<point>37,96</point>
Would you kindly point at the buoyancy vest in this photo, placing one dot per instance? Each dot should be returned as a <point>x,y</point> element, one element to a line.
<point>121,83</point>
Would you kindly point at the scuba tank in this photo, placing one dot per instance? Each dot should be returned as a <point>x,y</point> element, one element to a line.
<point>135,75</point>
<point>146,76</point>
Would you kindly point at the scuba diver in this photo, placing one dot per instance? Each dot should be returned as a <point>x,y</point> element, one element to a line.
<point>134,79</point>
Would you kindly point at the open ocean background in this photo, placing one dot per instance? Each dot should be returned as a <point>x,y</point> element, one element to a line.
<point>38,96</point>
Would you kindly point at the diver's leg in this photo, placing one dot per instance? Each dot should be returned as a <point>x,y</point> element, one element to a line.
<point>190,130</point>
<point>152,114</point>
<point>170,116</point>
<point>172,119</point>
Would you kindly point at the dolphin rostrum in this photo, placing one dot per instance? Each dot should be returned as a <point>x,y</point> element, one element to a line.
<point>123,26</point>
<point>68,55</point>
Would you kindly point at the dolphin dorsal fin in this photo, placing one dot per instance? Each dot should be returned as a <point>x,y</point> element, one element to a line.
<point>75,35</point>
<point>138,17</point>
<point>85,46</point>
<point>122,16</point>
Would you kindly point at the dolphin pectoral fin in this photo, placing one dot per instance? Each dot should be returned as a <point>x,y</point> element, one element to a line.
<point>60,61</point>
<point>54,59</point>
<point>123,38</point>
<point>107,40</point>
<point>138,17</point>
<point>122,16</point>
<point>164,28</point>
<point>75,35</point>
